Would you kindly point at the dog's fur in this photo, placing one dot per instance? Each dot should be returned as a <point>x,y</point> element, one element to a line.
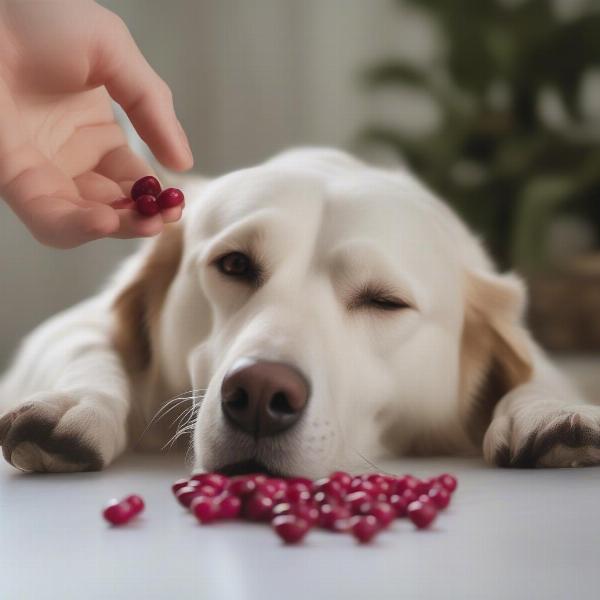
<point>455,371</point>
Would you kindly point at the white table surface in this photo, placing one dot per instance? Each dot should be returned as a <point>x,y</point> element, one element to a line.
<point>509,534</point>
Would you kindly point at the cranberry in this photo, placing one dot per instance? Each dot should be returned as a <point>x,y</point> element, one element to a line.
<point>147,205</point>
<point>215,480</point>
<point>399,504</point>
<point>169,198</point>
<point>440,496</point>
<point>343,478</point>
<point>228,507</point>
<point>258,507</point>
<point>242,486</point>
<point>409,495</point>
<point>365,528</point>
<point>207,490</point>
<point>307,512</point>
<point>118,513</point>
<point>362,485</point>
<point>424,485</point>
<point>297,492</point>
<point>136,503</point>
<point>384,513</point>
<point>146,186</point>
<point>406,482</point>
<point>360,503</point>
<point>186,494</point>
<point>334,517</point>
<point>331,488</point>
<point>421,514</point>
<point>205,509</point>
<point>448,481</point>
<point>308,483</point>
<point>290,528</point>
<point>177,485</point>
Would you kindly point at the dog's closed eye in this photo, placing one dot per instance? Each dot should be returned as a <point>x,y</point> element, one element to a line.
<point>377,298</point>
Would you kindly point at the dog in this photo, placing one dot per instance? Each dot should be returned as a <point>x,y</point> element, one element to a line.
<point>309,314</point>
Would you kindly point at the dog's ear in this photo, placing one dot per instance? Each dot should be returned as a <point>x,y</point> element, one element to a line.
<point>137,308</point>
<point>495,346</point>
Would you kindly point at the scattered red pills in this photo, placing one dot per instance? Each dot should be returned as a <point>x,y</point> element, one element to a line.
<point>150,199</point>
<point>362,505</point>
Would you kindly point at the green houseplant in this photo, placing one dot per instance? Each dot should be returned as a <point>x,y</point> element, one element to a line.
<point>527,168</point>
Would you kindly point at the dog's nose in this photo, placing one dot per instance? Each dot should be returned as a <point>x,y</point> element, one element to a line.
<point>263,398</point>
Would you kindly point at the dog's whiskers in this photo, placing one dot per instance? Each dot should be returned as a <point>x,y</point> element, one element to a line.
<point>195,396</point>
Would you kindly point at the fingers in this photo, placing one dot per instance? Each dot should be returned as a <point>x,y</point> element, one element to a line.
<point>124,167</point>
<point>144,96</point>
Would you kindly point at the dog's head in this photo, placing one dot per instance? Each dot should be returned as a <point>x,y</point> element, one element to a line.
<point>333,312</point>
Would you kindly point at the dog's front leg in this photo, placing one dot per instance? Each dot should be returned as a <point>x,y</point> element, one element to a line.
<point>543,425</point>
<point>67,406</point>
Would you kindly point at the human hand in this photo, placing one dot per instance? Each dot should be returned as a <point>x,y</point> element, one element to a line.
<point>63,157</point>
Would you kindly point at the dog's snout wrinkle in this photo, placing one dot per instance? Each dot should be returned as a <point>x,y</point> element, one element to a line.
<point>263,398</point>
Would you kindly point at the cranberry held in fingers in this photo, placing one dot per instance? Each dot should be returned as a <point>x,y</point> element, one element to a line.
<point>147,205</point>
<point>364,529</point>
<point>145,186</point>
<point>170,198</point>
<point>290,528</point>
<point>422,514</point>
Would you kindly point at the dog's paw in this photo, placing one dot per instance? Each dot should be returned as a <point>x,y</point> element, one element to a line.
<point>53,432</point>
<point>544,436</point>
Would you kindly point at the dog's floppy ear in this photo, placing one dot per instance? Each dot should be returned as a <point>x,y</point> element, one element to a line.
<point>137,308</point>
<point>495,348</point>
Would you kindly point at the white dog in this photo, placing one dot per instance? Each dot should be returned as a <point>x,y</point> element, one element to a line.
<point>319,313</point>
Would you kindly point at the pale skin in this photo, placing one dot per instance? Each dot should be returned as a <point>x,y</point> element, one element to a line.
<point>64,160</point>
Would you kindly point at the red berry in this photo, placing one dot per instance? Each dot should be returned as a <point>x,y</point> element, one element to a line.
<point>177,485</point>
<point>399,504</point>
<point>341,477</point>
<point>297,492</point>
<point>147,205</point>
<point>360,503</point>
<point>334,517</point>
<point>186,494</point>
<point>145,186</point>
<point>421,514</point>
<point>440,496</point>
<point>229,507</point>
<point>365,528</point>
<point>290,528</point>
<point>258,507</point>
<point>409,495</point>
<point>117,513</point>
<point>136,503</point>
<point>241,486</point>
<point>169,198</point>
<point>384,513</point>
<point>216,480</point>
<point>448,481</point>
<point>205,509</point>
<point>308,483</point>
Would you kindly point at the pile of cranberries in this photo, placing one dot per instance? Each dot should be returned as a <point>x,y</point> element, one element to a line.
<point>362,505</point>
<point>119,512</point>
<point>150,199</point>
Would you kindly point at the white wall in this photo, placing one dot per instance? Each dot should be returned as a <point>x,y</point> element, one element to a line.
<point>249,77</point>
